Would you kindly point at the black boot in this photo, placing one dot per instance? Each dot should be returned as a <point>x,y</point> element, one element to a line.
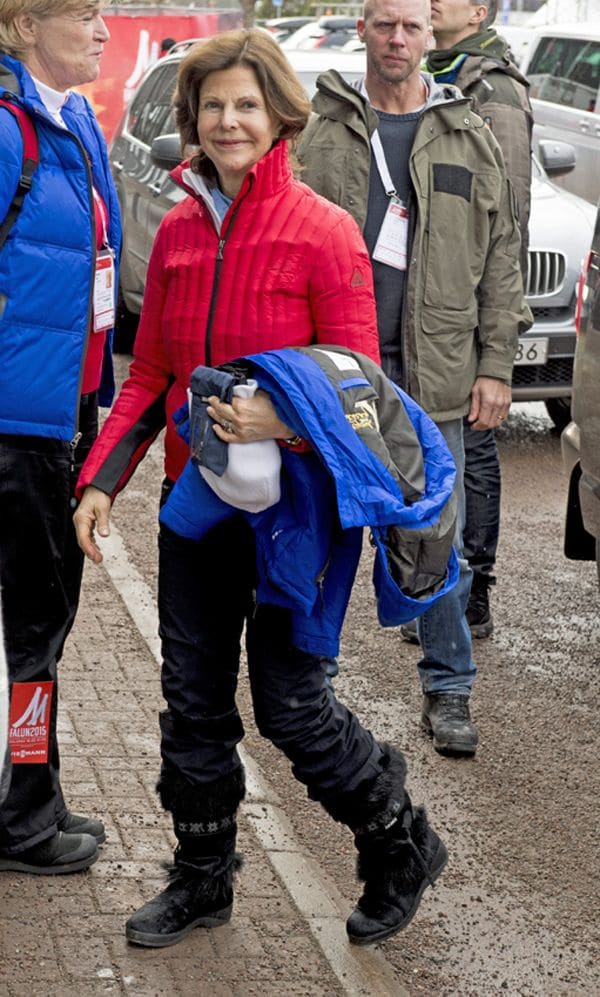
<point>479,614</point>
<point>399,854</point>
<point>200,888</point>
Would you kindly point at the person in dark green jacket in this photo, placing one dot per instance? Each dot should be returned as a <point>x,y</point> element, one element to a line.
<point>448,283</point>
<point>472,56</point>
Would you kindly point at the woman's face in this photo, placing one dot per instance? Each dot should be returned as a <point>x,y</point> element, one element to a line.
<point>235,127</point>
<point>65,49</point>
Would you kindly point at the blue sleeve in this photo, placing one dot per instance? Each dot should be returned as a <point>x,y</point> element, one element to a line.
<point>11,159</point>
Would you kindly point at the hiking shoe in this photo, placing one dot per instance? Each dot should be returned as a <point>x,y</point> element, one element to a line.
<point>479,616</point>
<point>446,718</point>
<point>408,632</point>
<point>60,854</point>
<point>75,824</point>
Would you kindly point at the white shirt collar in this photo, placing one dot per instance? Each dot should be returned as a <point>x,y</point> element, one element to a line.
<point>53,100</point>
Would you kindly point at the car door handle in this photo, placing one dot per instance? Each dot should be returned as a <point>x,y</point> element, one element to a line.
<point>156,188</point>
<point>118,166</point>
<point>584,126</point>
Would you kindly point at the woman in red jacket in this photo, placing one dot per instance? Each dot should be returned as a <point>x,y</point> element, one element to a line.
<point>251,260</point>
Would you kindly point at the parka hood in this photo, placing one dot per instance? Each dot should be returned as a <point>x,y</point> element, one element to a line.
<point>488,45</point>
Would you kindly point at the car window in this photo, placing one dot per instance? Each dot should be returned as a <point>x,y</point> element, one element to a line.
<point>151,113</point>
<point>566,71</point>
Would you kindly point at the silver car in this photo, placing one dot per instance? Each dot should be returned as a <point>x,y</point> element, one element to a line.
<point>560,234</point>
<point>560,227</point>
<point>562,63</point>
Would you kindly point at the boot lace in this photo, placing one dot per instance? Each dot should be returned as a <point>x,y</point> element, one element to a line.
<point>454,708</point>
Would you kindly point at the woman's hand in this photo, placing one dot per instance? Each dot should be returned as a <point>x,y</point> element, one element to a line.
<point>247,419</point>
<point>93,512</point>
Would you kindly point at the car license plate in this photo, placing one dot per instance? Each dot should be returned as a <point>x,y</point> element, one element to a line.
<point>532,351</point>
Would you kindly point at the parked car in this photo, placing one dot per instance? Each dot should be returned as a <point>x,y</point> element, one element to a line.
<point>562,63</point>
<point>328,32</point>
<point>282,27</point>
<point>581,439</point>
<point>145,148</point>
<point>560,234</point>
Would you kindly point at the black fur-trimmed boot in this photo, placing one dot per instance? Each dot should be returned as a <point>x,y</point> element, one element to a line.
<point>199,893</point>
<point>399,853</point>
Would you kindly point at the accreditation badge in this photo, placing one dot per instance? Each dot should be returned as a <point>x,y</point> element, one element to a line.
<point>29,722</point>
<point>104,292</point>
<point>392,241</point>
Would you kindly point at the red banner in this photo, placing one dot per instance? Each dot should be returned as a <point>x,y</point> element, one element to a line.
<point>29,722</point>
<point>134,45</point>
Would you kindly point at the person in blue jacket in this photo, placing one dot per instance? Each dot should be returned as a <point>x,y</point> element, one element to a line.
<point>59,242</point>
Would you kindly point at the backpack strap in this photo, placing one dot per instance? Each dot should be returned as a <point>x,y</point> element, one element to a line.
<point>31,158</point>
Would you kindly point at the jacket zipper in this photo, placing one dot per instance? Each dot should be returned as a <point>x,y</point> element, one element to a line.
<point>65,131</point>
<point>320,581</point>
<point>215,287</point>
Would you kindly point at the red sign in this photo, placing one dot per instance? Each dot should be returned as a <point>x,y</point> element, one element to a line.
<point>134,45</point>
<point>29,722</point>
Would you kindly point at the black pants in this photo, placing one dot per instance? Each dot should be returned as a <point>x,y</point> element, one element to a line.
<point>482,498</point>
<point>205,596</point>
<point>40,572</point>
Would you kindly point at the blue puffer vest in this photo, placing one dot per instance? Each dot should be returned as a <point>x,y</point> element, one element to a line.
<point>47,263</point>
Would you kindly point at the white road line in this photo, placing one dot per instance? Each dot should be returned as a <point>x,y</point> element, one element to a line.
<point>362,972</point>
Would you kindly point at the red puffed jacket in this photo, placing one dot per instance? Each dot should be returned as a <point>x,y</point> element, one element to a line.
<point>286,268</point>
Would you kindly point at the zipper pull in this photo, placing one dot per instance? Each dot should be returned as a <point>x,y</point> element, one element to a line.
<point>73,448</point>
<point>320,582</point>
<point>220,249</point>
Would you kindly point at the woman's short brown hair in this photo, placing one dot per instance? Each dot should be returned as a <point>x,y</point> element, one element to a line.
<point>10,37</point>
<point>284,95</point>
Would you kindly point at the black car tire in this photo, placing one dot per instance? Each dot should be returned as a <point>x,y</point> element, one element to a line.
<point>559,410</point>
<point>598,559</point>
<point>126,324</point>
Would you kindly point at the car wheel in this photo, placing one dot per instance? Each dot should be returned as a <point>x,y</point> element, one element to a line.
<point>559,410</point>
<point>126,324</point>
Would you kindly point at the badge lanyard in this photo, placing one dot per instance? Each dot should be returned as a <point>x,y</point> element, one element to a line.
<point>104,278</point>
<point>392,241</point>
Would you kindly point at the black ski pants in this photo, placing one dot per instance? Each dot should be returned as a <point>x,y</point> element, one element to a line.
<point>40,573</point>
<point>206,595</point>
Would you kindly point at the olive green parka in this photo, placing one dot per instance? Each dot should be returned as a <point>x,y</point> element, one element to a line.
<point>463,304</point>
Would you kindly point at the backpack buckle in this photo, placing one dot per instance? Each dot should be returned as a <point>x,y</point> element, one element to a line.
<point>25,183</point>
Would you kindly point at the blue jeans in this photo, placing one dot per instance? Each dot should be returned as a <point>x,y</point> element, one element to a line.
<point>447,664</point>
<point>482,495</point>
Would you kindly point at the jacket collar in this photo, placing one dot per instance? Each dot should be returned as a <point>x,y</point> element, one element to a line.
<point>267,177</point>
<point>341,101</point>
<point>474,57</point>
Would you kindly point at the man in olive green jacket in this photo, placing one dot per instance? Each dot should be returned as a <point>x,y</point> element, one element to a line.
<point>438,215</point>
